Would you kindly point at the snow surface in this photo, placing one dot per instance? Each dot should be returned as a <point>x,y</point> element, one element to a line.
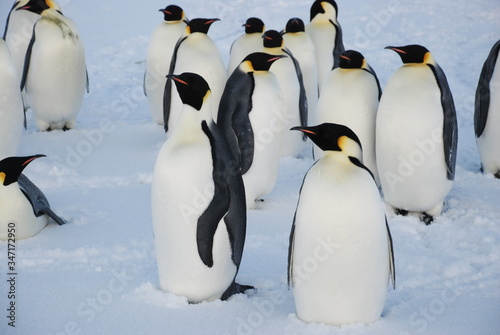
<point>97,274</point>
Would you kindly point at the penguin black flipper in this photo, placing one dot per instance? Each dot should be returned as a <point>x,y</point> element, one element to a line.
<point>303,110</point>
<point>372,72</point>
<point>450,127</point>
<point>218,207</point>
<point>482,102</point>
<point>27,58</point>
<point>8,19</point>
<point>37,199</point>
<point>167,94</point>
<point>233,117</point>
<point>87,84</point>
<point>392,267</point>
<point>339,45</point>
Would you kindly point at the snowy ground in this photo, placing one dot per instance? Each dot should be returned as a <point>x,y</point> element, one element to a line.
<point>97,274</point>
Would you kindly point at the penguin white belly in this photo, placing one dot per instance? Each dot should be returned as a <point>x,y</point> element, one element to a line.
<point>16,210</point>
<point>57,75</point>
<point>161,48</point>
<point>351,98</point>
<point>409,142</point>
<point>323,37</point>
<point>266,118</point>
<point>340,257</point>
<point>284,70</point>
<point>11,105</point>
<point>304,51</point>
<point>489,141</point>
<point>181,191</point>
<point>200,55</point>
<point>242,47</point>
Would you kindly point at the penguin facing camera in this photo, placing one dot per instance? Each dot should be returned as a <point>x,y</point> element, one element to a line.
<point>340,222</point>
<point>23,207</point>
<point>416,135</point>
<point>249,42</point>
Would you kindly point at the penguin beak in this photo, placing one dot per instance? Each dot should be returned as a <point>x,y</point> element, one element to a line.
<point>177,79</point>
<point>32,158</point>
<point>165,11</point>
<point>304,130</point>
<point>399,51</point>
<point>275,59</point>
<point>345,57</point>
<point>211,21</point>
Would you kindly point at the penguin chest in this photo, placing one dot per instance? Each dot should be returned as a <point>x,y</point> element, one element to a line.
<point>182,189</point>
<point>340,255</point>
<point>409,140</point>
<point>489,149</point>
<point>323,37</point>
<point>268,125</point>
<point>57,73</point>
<point>16,211</point>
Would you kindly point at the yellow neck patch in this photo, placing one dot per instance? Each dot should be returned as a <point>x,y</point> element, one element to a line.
<point>350,147</point>
<point>2,177</point>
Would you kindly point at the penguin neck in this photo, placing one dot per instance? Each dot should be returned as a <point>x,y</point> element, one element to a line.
<point>274,51</point>
<point>188,129</point>
<point>335,164</point>
<point>55,17</point>
<point>329,15</point>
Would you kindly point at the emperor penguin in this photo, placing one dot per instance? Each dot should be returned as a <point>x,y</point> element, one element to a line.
<point>11,105</point>
<point>198,203</point>
<point>24,209</point>
<point>290,78</point>
<point>55,74</point>
<point>301,46</point>
<point>161,48</point>
<point>249,42</point>
<point>487,113</point>
<point>250,113</point>
<point>341,226</point>
<point>326,34</point>
<point>416,135</point>
<point>18,32</point>
<point>194,52</point>
<point>352,93</point>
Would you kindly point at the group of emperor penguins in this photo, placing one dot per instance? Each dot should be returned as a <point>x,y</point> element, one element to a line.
<point>227,128</point>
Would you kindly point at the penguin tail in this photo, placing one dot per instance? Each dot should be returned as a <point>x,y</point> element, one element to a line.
<point>53,216</point>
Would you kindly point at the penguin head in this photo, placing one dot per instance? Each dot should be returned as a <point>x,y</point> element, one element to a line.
<point>334,137</point>
<point>259,61</point>
<point>38,6</point>
<point>199,25</point>
<point>295,25</point>
<point>254,25</point>
<point>352,59</point>
<point>413,53</point>
<point>272,39</point>
<point>321,7</point>
<point>12,167</point>
<point>173,13</point>
<point>193,89</point>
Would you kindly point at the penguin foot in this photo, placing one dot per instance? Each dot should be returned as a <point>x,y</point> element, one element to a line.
<point>235,288</point>
<point>402,212</point>
<point>497,175</point>
<point>65,128</point>
<point>427,219</point>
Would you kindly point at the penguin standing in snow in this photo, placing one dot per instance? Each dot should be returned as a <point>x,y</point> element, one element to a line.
<point>302,48</point>
<point>487,113</point>
<point>352,92</point>
<point>290,78</point>
<point>194,52</point>
<point>348,238</point>
<point>326,34</point>
<point>251,107</point>
<point>18,32</point>
<point>249,42</point>
<point>200,227</point>
<point>11,104</point>
<point>23,207</point>
<point>54,72</point>
<point>416,135</point>
<point>161,48</point>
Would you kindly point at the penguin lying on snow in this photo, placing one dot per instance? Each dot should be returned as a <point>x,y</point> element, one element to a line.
<point>340,255</point>
<point>198,203</point>
<point>487,113</point>
<point>22,204</point>
<point>416,135</point>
